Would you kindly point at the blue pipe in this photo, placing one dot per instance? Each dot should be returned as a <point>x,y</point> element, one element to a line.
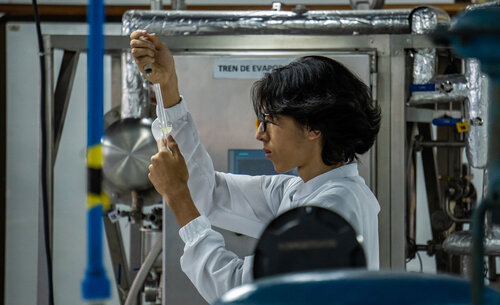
<point>95,285</point>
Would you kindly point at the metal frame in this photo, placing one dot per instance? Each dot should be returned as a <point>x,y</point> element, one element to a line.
<point>3,144</point>
<point>389,81</point>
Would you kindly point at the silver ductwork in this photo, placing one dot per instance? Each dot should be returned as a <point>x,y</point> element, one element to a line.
<point>425,20</point>
<point>135,89</point>
<point>184,23</point>
<point>476,109</point>
<point>446,89</point>
<point>460,242</point>
<point>135,97</point>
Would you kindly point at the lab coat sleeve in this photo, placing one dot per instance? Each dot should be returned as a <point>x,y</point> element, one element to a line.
<point>208,264</point>
<point>239,203</point>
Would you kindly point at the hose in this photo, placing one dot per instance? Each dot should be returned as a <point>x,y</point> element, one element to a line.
<point>143,272</point>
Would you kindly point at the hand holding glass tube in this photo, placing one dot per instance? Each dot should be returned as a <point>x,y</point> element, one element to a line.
<point>165,126</point>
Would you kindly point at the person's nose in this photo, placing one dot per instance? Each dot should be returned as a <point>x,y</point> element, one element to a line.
<point>259,133</point>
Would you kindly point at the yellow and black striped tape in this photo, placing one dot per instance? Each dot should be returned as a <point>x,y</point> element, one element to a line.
<point>95,196</point>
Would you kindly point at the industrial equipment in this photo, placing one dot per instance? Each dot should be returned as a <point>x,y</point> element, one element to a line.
<point>433,105</point>
<point>306,239</point>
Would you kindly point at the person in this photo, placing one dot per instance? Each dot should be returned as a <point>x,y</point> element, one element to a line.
<point>314,115</point>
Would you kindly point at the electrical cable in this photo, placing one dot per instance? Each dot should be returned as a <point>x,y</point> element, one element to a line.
<point>420,262</point>
<point>44,165</point>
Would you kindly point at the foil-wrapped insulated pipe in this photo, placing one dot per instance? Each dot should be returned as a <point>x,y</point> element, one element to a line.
<point>135,88</point>
<point>425,20</point>
<point>424,66</point>
<point>447,88</point>
<point>460,242</point>
<point>476,112</point>
<point>196,23</point>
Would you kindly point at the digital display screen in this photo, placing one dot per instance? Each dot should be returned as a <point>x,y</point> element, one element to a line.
<point>251,162</point>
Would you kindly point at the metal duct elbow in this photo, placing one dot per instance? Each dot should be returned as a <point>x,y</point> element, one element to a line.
<point>476,112</point>
<point>425,20</point>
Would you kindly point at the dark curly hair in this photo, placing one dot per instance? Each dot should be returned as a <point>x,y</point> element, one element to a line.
<point>322,94</point>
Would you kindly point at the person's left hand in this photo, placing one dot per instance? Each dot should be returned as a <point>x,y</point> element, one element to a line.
<point>168,171</point>
<point>169,174</point>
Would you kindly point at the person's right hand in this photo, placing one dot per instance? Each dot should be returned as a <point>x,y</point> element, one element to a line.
<point>147,49</point>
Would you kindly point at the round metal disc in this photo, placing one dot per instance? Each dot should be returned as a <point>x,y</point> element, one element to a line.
<point>127,147</point>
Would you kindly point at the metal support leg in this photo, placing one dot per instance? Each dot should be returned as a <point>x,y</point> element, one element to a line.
<point>62,94</point>
<point>118,258</point>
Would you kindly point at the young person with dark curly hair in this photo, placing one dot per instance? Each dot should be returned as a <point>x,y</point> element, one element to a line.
<point>314,114</point>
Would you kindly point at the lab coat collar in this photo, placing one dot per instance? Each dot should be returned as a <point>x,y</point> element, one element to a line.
<point>348,170</point>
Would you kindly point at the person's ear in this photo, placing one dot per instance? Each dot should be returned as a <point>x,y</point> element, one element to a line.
<point>313,134</point>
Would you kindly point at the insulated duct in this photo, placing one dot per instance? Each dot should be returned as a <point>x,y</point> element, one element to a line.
<point>445,89</point>
<point>135,89</point>
<point>196,23</point>
<point>425,20</point>
<point>476,106</point>
<point>460,242</point>
<point>476,109</point>
<point>135,95</point>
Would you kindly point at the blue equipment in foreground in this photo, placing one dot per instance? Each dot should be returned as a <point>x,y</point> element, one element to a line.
<point>357,288</point>
<point>477,34</point>
<point>95,285</point>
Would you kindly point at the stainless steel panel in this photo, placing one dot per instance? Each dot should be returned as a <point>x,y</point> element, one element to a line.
<point>222,108</point>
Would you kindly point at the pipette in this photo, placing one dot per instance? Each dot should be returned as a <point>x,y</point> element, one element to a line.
<point>165,126</point>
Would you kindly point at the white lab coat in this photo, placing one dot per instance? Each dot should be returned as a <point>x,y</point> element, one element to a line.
<point>246,204</point>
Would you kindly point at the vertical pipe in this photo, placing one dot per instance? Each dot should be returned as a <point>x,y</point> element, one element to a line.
<point>493,196</point>
<point>156,5</point>
<point>178,5</point>
<point>96,285</point>
<point>3,151</point>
